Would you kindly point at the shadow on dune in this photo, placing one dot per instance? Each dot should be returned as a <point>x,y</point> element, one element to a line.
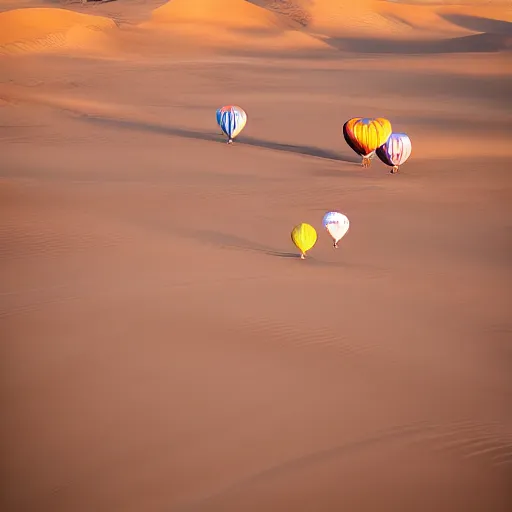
<point>479,24</point>
<point>479,43</point>
<point>212,137</point>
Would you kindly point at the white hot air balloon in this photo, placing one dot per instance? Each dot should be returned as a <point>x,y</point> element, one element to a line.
<point>336,225</point>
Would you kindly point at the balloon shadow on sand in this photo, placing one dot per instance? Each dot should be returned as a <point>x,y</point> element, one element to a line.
<point>214,137</point>
<point>229,241</point>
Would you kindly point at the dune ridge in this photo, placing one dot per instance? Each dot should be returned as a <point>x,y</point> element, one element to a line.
<point>228,23</point>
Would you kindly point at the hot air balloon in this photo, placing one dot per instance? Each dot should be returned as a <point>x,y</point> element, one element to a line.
<point>336,225</point>
<point>231,120</point>
<point>395,151</point>
<point>364,135</point>
<point>304,237</point>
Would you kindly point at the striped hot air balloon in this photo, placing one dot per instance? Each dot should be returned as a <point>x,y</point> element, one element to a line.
<point>232,120</point>
<point>224,109</point>
<point>364,135</point>
<point>395,151</point>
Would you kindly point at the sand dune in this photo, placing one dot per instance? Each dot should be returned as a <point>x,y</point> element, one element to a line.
<point>235,24</point>
<point>377,19</point>
<point>50,29</point>
<point>343,17</point>
<point>335,17</point>
<point>353,27</point>
<point>181,27</point>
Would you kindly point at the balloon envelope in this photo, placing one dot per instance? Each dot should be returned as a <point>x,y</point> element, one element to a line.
<point>304,237</point>
<point>396,150</point>
<point>336,225</point>
<point>364,135</point>
<point>232,120</point>
<point>226,108</point>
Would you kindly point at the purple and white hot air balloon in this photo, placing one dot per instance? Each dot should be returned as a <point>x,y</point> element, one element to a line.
<point>395,151</point>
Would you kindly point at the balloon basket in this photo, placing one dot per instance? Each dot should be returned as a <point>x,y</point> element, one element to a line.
<point>230,141</point>
<point>302,256</point>
<point>335,245</point>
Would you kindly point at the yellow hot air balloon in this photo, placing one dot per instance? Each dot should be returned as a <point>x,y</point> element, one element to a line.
<point>365,135</point>
<point>304,237</point>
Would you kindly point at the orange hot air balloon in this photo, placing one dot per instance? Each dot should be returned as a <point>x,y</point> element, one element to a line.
<point>365,135</point>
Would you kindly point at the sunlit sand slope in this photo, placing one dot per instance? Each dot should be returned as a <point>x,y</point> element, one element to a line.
<point>227,23</point>
<point>36,30</point>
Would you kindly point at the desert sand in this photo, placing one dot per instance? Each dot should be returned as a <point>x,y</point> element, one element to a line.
<point>164,349</point>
